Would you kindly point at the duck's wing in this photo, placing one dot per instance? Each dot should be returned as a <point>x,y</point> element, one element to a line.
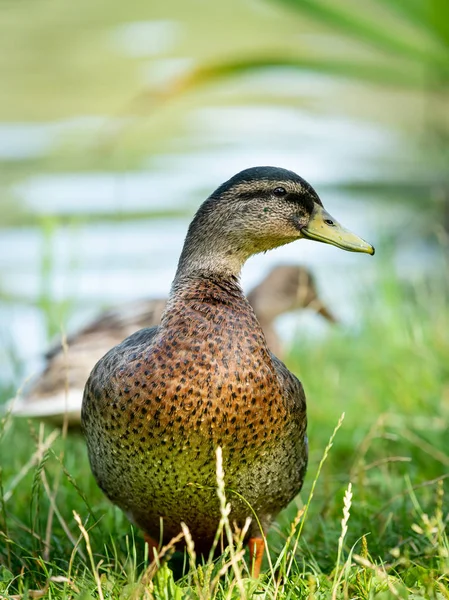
<point>105,375</point>
<point>296,427</point>
<point>133,342</point>
<point>294,392</point>
<point>58,389</point>
<point>115,324</point>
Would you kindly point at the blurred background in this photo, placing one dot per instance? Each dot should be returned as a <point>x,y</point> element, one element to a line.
<point>118,119</point>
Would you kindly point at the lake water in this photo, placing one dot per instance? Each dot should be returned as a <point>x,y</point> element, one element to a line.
<point>99,262</point>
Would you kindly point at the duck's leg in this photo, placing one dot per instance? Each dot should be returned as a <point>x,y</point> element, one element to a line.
<point>256,550</point>
<point>152,545</point>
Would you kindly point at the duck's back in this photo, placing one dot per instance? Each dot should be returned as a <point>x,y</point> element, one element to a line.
<point>157,406</point>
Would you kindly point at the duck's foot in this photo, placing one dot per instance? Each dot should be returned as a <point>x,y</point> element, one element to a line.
<point>256,550</point>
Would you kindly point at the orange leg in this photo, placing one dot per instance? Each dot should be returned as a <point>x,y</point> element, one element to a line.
<point>152,546</point>
<point>256,550</point>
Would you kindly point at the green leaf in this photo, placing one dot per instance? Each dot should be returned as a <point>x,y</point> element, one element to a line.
<point>379,73</point>
<point>372,31</point>
<point>5,574</point>
<point>439,19</point>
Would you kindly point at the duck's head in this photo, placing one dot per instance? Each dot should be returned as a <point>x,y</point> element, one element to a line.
<point>287,288</point>
<point>256,210</point>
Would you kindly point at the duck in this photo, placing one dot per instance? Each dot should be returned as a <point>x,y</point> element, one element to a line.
<point>157,406</point>
<point>286,288</point>
<point>56,394</point>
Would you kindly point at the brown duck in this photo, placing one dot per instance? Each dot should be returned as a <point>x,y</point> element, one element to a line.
<point>57,392</point>
<point>156,406</point>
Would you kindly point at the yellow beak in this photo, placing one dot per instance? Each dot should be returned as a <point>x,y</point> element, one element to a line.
<point>324,228</point>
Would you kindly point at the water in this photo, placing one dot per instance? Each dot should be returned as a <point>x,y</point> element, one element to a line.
<point>100,262</point>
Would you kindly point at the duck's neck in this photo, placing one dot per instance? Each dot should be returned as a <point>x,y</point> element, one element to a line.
<point>207,281</point>
<point>203,305</point>
<point>208,265</point>
<point>206,288</point>
<point>205,300</point>
<point>212,317</point>
<point>212,248</point>
<point>212,261</point>
<point>208,271</point>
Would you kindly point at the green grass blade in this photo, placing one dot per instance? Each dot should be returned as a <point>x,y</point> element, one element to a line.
<point>377,73</point>
<point>439,15</point>
<point>371,32</point>
<point>431,17</point>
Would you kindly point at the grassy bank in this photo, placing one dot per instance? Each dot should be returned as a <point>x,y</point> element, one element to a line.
<point>384,476</point>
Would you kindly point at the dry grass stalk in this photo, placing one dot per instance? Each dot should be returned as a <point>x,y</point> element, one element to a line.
<point>284,552</point>
<point>43,592</point>
<point>225,568</point>
<point>89,552</point>
<point>225,509</point>
<point>365,445</point>
<point>386,461</point>
<point>34,460</point>
<point>55,509</point>
<point>344,530</point>
<point>423,445</point>
<point>312,491</point>
<point>156,562</point>
<point>192,559</point>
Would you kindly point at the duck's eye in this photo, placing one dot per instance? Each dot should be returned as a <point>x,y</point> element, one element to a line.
<point>279,191</point>
<point>328,222</point>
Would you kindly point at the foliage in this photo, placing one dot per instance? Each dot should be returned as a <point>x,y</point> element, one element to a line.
<point>370,523</point>
<point>404,43</point>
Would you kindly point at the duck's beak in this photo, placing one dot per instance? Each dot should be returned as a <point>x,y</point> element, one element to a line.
<point>322,310</point>
<point>324,228</point>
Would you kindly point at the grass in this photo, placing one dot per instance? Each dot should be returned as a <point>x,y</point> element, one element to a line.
<point>371,521</point>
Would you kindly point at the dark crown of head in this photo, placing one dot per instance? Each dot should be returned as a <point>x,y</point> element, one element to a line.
<point>254,174</point>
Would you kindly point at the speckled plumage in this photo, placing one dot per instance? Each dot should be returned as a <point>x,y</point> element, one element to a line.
<point>156,407</point>
<point>217,385</point>
<point>56,393</point>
